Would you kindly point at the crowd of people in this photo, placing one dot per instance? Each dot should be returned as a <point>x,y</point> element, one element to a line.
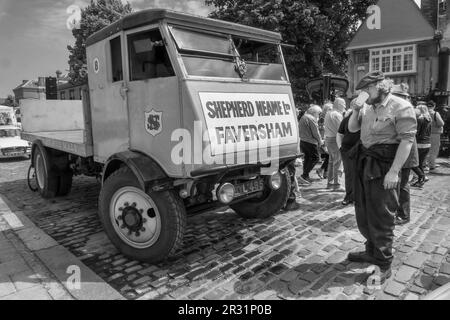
<point>376,143</point>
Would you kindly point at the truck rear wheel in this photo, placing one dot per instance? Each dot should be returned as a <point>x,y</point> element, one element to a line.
<point>271,202</point>
<point>146,227</point>
<point>46,177</point>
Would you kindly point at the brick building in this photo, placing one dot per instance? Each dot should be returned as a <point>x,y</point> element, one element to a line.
<point>31,89</point>
<point>67,91</point>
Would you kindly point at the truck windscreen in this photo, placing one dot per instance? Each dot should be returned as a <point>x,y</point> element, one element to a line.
<point>215,55</point>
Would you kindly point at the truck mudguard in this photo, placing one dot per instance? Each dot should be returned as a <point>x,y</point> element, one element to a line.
<point>144,168</point>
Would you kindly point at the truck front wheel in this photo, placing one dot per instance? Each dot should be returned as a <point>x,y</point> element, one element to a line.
<point>146,227</point>
<point>269,204</point>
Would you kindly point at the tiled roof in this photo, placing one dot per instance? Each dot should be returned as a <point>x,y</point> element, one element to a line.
<point>29,84</point>
<point>395,28</point>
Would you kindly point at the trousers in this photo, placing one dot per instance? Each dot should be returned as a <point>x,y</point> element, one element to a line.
<point>404,209</point>
<point>311,158</point>
<point>423,152</point>
<point>375,207</point>
<point>434,151</point>
<point>349,171</point>
<point>335,161</point>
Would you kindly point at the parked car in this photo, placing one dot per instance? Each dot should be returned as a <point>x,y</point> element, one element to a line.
<point>11,144</point>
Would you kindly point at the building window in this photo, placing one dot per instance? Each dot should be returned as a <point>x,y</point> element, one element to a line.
<point>362,57</point>
<point>72,94</point>
<point>442,7</point>
<point>394,60</point>
<point>63,95</point>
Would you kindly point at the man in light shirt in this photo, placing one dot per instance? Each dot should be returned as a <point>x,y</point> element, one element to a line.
<point>333,120</point>
<point>388,127</point>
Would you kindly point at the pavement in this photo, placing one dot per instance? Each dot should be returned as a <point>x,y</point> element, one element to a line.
<point>293,255</point>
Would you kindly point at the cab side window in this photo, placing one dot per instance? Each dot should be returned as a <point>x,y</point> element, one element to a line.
<point>148,56</point>
<point>116,60</point>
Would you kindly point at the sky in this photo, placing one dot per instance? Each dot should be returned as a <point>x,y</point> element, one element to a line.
<point>34,35</point>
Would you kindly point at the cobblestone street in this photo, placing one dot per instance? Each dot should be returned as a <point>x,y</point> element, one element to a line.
<point>294,255</point>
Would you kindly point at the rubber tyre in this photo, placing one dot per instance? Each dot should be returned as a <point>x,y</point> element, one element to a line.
<point>171,210</point>
<point>50,179</point>
<point>270,205</point>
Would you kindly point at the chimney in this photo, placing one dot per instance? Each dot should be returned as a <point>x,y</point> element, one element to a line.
<point>429,9</point>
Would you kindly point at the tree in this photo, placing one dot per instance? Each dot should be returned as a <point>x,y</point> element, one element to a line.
<point>319,30</point>
<point>97,15</point>
<point>10,101</point>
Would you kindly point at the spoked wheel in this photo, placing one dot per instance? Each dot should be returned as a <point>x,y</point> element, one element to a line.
<point>146,227</point>
<point>31,179</point>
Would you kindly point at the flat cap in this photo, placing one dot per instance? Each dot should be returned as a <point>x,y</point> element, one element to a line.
<point>399,89</point>
<point>371,77</point>
<point>431,104</point>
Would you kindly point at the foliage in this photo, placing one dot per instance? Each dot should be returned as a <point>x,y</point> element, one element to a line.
<point>97,15</point>
<point>319,29</point>
<point>10,101</point>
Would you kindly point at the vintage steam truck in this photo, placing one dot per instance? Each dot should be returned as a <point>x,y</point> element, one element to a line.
<point>183,114</point>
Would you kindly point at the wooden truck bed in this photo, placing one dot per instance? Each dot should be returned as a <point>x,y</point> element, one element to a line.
<point>73,142</point>
<point>59,124</point>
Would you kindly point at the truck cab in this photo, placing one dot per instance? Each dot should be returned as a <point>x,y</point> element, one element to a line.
<point>183,114</point>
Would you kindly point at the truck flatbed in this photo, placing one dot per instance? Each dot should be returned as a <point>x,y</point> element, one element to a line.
<point>73,141</point>
<point>63,125</point>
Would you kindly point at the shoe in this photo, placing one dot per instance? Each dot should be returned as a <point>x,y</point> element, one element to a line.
<point>426,179</point>
<point>292,205</point>
<point>385,273</point>
<point>418,184</point>
<point>413,180</point>
<point>308,179</point>
<point>400,221</point>
<point>434,171</point>
<point>333,185</point>
<point>325,174</point>
<point>319,173</point>
<point>303,181</point>
<point>346,202</point>
<point>360,257</point>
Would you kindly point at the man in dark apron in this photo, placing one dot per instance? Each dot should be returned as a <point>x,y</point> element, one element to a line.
<point>388,126</point>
